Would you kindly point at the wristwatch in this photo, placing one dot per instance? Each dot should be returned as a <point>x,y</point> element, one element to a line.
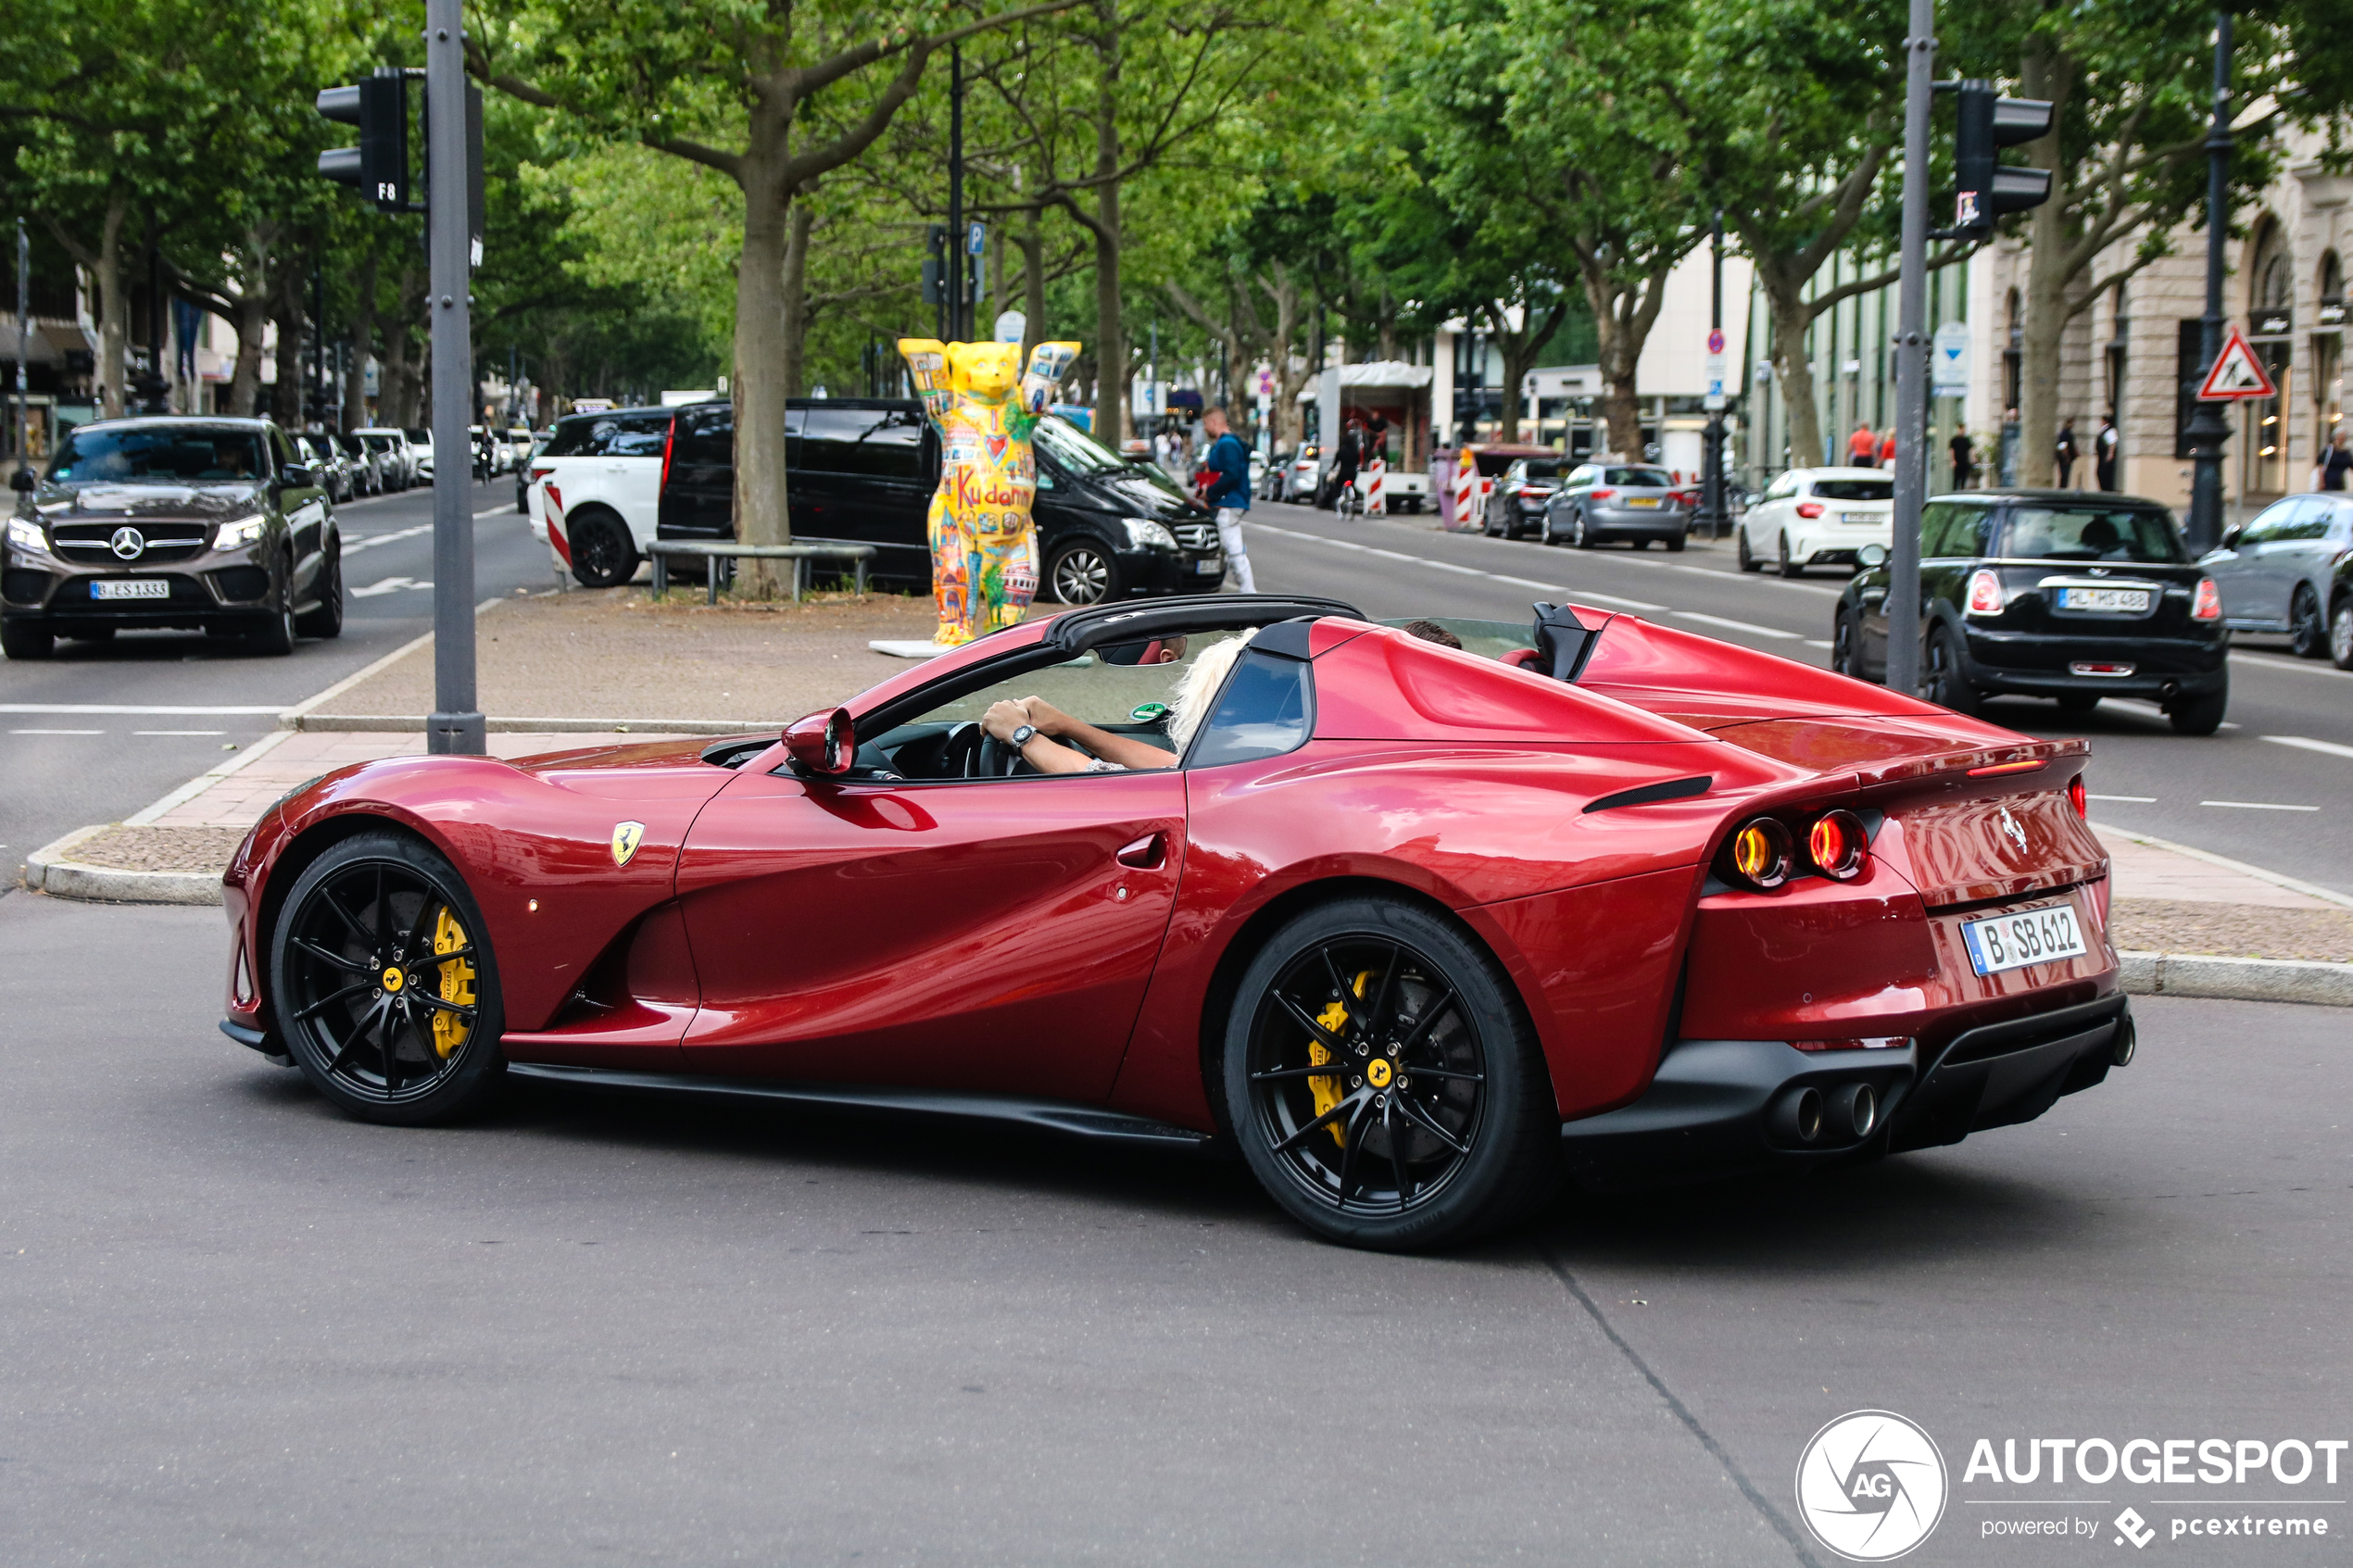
<point>1022,735</point>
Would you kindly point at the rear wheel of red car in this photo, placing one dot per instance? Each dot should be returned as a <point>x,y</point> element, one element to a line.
<point>382,984</point>
<point>1383,1082</point>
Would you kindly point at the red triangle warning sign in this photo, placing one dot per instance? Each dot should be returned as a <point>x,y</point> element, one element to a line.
<point>2237,373</point>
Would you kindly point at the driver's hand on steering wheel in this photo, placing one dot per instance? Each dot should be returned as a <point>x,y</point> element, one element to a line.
<point>1003,718</point>
<point>1049,720</point>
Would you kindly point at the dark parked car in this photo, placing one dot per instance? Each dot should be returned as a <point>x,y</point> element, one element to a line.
<point>1518,506</point>
<point>863,469</point>
<point>2055,594</point>
<point>207,523</point>
<point>1630,501</point>
<point>2277,573</point>
<point>333,467</point>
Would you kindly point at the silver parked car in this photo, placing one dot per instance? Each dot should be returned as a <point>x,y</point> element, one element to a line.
<point>1630,501</point>
<point>2274,573</point>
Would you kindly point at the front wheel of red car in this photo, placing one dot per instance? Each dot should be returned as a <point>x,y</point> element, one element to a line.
<point>382,983</point>
<point>1384,1084</point>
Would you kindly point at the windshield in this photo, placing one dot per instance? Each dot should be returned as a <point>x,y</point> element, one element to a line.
<point>1854,489</point>
<point>1540,468</point>
<point>166,455</point>
<point>1073,450</point>
<point>2118,533</point>
<point>1654,479</point>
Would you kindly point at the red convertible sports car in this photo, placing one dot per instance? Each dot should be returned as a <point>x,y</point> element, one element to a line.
<point>1420,931</point>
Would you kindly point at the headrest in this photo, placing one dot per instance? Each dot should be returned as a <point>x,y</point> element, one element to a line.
<point>1563,642</point>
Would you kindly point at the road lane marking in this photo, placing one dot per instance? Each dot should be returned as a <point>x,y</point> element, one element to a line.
<point>2257,805</point>
<point>2128,800</point>
<point>1748,626</point>
<point>57,731</point>
<point>115,708</point>
<point>2325,747</point>
<point>1819,642</point>
<point>388,585</point>
<point>2239,655</point>
<point>368,541</point>
<point>179,732</point>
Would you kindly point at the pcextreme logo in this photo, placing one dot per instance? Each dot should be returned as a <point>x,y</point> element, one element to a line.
<point>1870,1486</point>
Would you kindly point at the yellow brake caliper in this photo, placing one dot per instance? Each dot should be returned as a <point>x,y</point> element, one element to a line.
<point>449,1031</point>
<point>1333,1018</point>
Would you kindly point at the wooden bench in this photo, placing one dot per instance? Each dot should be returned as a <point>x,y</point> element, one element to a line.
<point>713,552</point>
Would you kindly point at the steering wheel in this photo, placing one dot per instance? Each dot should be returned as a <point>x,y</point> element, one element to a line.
<point>995,760</point>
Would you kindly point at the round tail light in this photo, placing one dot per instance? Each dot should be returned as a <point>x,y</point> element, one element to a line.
<point>1760,854</point>
<point>1984,592</point>
<point>1838,844</point>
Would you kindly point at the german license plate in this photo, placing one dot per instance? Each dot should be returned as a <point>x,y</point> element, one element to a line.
<point>130,588</point>
<point>1865,518</point>
<point>2029,937</point>
<point>1210,568</point>
<point>2130,601</point>
<point>1641,500</point>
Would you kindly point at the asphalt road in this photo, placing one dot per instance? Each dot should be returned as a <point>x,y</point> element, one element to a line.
<point>184,700</point>
<point>236,1328</point>
<point>2272,789</point>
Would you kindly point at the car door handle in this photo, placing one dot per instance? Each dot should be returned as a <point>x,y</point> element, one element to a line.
<point>1146,853</point>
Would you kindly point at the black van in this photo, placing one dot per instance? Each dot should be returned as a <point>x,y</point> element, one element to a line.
<point>863,470</point>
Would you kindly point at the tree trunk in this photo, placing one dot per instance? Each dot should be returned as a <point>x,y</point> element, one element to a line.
<point>2045,74</point>
<point>114,315</point>
<point>1032,265</point>
<point>1111,344</point>
<point>1290,368</point>
<point>363,337</point>
<point>762,384</point>
<point>245,381</point>
<point>1792,316</point>
<point>798,220</point>
<point>286,401</point>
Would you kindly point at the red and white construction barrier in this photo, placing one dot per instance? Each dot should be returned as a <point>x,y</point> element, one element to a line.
<point>1377,488</point>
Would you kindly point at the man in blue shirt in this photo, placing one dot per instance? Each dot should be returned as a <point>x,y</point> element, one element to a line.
<point>1228,496</point>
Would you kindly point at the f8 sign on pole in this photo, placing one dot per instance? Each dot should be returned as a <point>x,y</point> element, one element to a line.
<point>1911,360</point>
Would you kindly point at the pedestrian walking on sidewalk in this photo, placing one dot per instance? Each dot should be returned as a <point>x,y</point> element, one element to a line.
<point>1862,445</point>
<point>1887,448</point>
<point>2104,447</point>
<point>1964,459</point>
<point>1228,495</point>
<point>2066,449</point>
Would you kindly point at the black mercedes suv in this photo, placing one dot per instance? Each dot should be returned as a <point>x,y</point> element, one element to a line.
<point>2064,594</point>
<point>188,522</point>
<point>863,470</point>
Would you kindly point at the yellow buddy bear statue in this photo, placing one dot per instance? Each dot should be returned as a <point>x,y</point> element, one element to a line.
<point>984,548</point>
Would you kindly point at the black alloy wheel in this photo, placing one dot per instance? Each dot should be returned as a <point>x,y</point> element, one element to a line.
<point>1948,679</point>
<point>602,553</point>
<point>1842,661</point>
<point>1383,1082</point>
<point>2307,632</point>
<point>383,985</point>
<point>325,617</point>
<point>273,636</point>
<point>1083,573</point>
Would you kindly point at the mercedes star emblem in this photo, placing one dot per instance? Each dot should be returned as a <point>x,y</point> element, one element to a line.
<point>129,543</point>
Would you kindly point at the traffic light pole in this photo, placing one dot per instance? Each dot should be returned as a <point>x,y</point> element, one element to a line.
<point>455,725</point>
<point>1902,602</point>
<point>2207,430</point>
<point>1711,454</point>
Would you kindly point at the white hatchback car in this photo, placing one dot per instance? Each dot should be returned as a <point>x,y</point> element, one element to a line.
<point>1816,517</point>
<point>595,493</point>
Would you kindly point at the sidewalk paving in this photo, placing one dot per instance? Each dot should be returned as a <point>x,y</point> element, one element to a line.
<point>613,667</point>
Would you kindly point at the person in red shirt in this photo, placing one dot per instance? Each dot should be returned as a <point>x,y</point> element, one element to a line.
<point>1860,445</point>
<point>1887,448</point>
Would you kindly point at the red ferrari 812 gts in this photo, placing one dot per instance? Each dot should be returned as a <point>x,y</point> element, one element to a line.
<point>1421,933</point>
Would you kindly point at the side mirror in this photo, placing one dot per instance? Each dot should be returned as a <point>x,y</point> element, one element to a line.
<point>296,476</point>
<point>822,743</point>
<point>2231,536</point>
<point>1871,556</point>
<point>22,482</point>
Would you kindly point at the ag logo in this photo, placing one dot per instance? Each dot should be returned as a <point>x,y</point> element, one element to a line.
<point>626,837</point>
<point>1870,1486</point>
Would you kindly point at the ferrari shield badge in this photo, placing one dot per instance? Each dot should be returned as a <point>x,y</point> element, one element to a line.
<point>625,839</point>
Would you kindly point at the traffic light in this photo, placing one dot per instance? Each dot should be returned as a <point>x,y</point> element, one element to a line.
<point>1987,189</point>
<point>378,167</point>
<point>936,284</point>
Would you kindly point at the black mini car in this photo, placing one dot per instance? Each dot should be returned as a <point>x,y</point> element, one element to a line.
<point>199,523</point>
<point>2058,594</point>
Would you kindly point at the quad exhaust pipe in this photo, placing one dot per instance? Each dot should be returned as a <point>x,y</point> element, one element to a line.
<point>1848,1113</point>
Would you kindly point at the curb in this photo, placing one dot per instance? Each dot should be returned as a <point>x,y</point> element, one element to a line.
<point>2242,980</point>
<point>413,723</point>
<point>53,870</point>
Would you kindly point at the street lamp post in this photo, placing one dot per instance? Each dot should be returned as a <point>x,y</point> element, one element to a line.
<point>1712,460</point>
<point>2207,430</point>
<point>456,724</point>
<point>24,329</point>
<point>952,281</point>
<point>1911,361</point>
